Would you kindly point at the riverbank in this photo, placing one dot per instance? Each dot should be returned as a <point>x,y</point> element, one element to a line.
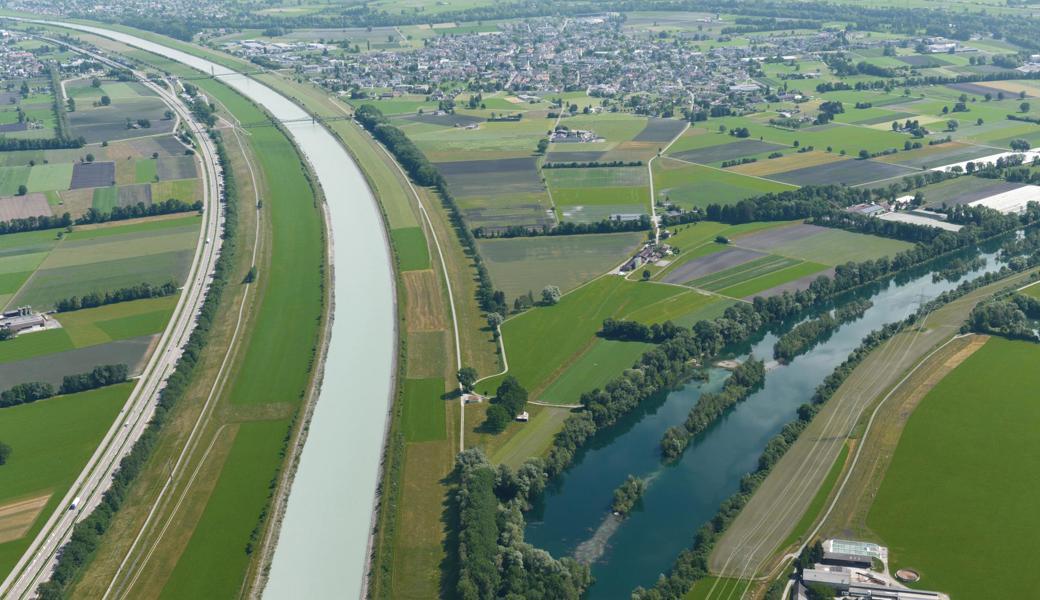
<point>320,536</point>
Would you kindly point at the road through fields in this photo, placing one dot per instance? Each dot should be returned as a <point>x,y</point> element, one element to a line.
<point>323,541</point>
<point>37,563</point>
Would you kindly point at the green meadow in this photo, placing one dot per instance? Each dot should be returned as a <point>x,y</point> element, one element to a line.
<point>50,442</point>
<point>958,501</point>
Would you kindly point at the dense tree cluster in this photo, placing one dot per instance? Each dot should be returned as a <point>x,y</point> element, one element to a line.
<point>136,211</point>
<point>745,380</point>
<point>807,334</point>
<point>628,494</point>
<point>1015,316</point>
<point>126,294</point>
<point>494,560</point>
<point>510,400</point>
<point>86,536</point>
<point>804,336</point>
<point>957,268</point>
<point>634,331</point>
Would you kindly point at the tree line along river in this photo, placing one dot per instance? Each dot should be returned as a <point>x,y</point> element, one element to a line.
<point>573,516</point>
<point>323,541</point>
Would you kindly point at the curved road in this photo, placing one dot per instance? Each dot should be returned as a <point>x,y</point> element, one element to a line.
<point>322,545</point>
<point>36,564</point>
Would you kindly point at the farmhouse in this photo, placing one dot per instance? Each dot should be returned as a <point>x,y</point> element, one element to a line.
<point>21,319</point>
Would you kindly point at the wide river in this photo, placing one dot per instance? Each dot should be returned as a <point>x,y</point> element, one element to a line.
<point>572,517</point>
<point>324,537</point>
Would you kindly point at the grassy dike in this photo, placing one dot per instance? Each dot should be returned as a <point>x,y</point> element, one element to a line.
<point>408,545</point>
<point>243,442</point>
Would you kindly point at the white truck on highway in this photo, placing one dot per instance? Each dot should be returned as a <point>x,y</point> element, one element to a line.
<point>74,504</point>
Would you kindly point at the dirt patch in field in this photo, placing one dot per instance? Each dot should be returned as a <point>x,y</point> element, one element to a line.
<point>425,307</point>
<point>138,193</point>
<point>17,517</point>
<point>712,263</point>
<point>848,172</point>
<point>76,202</point>
<point>98,174</point>
<point>730,151</point>
<point>796,160</point>
<point>776,236</point>
<point>660,130</point>
<point>504,175</point>
<point>23,207</point>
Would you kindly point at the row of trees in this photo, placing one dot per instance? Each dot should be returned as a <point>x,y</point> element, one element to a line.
<point>494,560</point>
<point>747,378</point>
<point>807,334</point>
<point>136,211</point>
<point>592,164</point>
<point>86,536</point>
<point>101,376</point>
<point>608,225</point>
<point>126,294</point>
<point>37,223</point>
<point>424,173</point>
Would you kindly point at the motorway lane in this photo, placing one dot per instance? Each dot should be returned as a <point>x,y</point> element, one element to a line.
<point>38,561</point>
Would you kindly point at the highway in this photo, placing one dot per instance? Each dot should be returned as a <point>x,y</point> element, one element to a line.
<point>37,563</point>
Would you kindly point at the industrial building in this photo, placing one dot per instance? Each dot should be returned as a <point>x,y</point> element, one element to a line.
<point>22,319</point>
<point>848,566</point>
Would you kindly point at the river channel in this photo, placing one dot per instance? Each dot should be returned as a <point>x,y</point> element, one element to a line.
<point>682,496</point>
<point>323,541</point>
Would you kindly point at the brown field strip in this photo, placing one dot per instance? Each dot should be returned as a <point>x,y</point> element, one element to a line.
<point>783,164</point>
<point>17,517</point>
<point>425,309</point>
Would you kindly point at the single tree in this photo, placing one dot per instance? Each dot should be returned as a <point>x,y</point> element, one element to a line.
<point>551,294</point>
<point>22,190</point>
<point>1024,107</point>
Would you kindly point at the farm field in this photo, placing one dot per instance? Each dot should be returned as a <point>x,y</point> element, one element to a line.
<point>829,246</point>
<point>50,441</point>
<point>412,251</point>
<point>956,462</point>
<point>79,266</point>
<point>690,185</point>
<point>520,265</point>
<point>771,260</point>
<point>129,104</point>
<point>543,342</point>
<point>423,419</point>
